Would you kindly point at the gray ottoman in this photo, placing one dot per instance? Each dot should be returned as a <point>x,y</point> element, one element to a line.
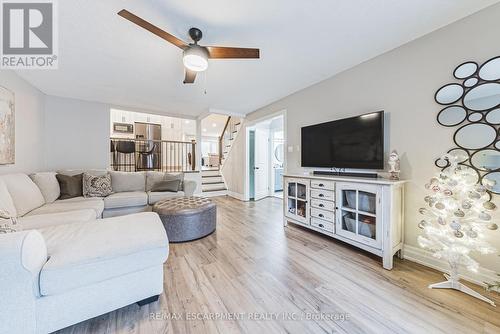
<point>187,218</point>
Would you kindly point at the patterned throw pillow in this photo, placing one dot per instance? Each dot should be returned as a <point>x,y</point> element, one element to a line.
<point>8,223</point>
<point>96,186</point>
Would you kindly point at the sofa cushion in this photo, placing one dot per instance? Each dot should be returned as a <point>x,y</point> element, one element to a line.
<point>96,204</point>
<point>71,186</point>
<point>24,192</point>
<point>82,254</point>
<point>153,178</point>
<point>6,202</point>
<point>48,184</point>
<point>154,196</point>
<point>125,199</point>
<point>96,186</point>
<point>128,181</point>
<point>172,186</point>
<point>50,219</point>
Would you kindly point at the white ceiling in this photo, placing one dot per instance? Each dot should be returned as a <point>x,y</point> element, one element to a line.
<point>212,125</point>
<point>103,57</point>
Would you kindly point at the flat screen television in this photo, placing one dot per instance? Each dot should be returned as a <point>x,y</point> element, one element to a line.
<point>356,142</point>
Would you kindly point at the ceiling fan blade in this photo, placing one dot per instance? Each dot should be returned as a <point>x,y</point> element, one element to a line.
<point>217,52</point>
<point>190,76</point>
<point>152,28</point>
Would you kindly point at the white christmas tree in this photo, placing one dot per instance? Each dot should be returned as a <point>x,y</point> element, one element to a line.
<point>455,221</point>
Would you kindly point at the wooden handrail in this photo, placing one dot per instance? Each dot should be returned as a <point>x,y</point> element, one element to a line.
<point>225,126</point>
<point>221,140</point>
<point>152,140</point>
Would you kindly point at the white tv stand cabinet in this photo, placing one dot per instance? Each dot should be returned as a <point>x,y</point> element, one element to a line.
<point>364,212</point>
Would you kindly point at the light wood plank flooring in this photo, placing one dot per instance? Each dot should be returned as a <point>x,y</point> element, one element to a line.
<point>254,266</point>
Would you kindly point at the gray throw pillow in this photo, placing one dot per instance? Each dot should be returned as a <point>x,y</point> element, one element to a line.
<point>71,186</point>
<point>96,186</point>
<point>175,176</point>
<point>172,185</point>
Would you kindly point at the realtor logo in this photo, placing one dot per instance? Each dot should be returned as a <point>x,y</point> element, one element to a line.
<point>29,39</point>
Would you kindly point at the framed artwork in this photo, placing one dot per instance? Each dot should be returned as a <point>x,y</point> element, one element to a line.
<point>7,126</point>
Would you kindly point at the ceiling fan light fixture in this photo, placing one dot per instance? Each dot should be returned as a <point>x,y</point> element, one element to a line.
<point>195,58</point>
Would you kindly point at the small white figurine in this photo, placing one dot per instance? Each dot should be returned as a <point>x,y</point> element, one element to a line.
<point>394,165</point>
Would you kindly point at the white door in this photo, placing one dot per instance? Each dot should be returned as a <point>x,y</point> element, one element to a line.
<point>261,169</point>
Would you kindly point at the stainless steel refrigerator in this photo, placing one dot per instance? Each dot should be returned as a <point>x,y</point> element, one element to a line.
<point>148,145</point>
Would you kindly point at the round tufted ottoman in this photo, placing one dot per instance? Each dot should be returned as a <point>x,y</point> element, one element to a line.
<point>187,218</point>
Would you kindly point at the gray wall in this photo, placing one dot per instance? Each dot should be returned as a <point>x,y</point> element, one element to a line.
<point>401,82</point>
<point>77,134</point>
<point>29,120</point>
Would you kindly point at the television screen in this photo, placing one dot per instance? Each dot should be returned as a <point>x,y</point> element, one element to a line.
<point>356,142</point>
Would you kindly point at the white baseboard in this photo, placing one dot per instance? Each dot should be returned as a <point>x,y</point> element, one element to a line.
<point>423,257</point>
<point>236,195</point>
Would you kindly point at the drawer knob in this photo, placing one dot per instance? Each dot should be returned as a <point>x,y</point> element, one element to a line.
<point>321,205</point>
<point>321,185</point>
<point>321,225</point>
<point>321,195</point>
<point>321,215</point>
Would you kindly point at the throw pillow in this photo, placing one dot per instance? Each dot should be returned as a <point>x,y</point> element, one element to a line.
<point>8,226</point>
<point>96,186</point>
<point>7,207</point>
<point>8,223</point>
<point>172,185</point>
<point>175,176</point>
<point>71,186</point>
<point>48,185</point>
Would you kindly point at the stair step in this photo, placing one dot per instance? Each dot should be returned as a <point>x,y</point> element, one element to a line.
<point>211,180</point>
<point>208,173</point>
<point>214,193</point>
<point>213,187</point>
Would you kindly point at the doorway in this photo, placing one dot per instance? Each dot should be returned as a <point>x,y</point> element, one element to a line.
<point>266,158</point>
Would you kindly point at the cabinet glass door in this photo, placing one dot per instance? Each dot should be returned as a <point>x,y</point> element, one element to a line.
<point>358,209</point>
<point>297,197</point>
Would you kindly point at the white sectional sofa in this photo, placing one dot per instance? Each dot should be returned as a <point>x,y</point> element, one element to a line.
<point>66,264</point>
<point>59,275</point>
<point>131,194</point>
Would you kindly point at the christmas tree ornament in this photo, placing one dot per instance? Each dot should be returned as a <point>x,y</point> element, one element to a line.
<point>461,202</point>
<point>492,227</point>
<point>489,206</point>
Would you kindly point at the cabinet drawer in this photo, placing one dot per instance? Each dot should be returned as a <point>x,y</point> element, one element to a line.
<point>322,194</point>
<point>322,204</point>
<point>322,184</point>
<point>324,225</point>
<point>323,214</point>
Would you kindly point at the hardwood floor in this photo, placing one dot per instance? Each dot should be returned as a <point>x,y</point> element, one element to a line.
<point>252,268</point>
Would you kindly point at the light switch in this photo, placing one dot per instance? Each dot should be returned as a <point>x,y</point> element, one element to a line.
<point>290,149</point>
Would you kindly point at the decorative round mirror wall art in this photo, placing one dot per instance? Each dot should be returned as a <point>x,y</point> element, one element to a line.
<point>473,107</point>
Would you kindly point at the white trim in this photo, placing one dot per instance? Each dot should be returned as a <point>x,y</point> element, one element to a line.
<point>144,110</point>
<point>236,195</point>
<point>226,112</point>
<point>424,257</point>
<point>282,112</point>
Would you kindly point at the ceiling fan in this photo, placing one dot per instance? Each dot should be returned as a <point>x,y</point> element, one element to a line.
<point>195,57</point>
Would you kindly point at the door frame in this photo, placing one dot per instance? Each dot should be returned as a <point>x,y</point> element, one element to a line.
<point>248,126</point>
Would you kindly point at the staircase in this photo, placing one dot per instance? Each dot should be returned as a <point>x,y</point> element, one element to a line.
<point>228,135</point>
<point>212,183</point>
